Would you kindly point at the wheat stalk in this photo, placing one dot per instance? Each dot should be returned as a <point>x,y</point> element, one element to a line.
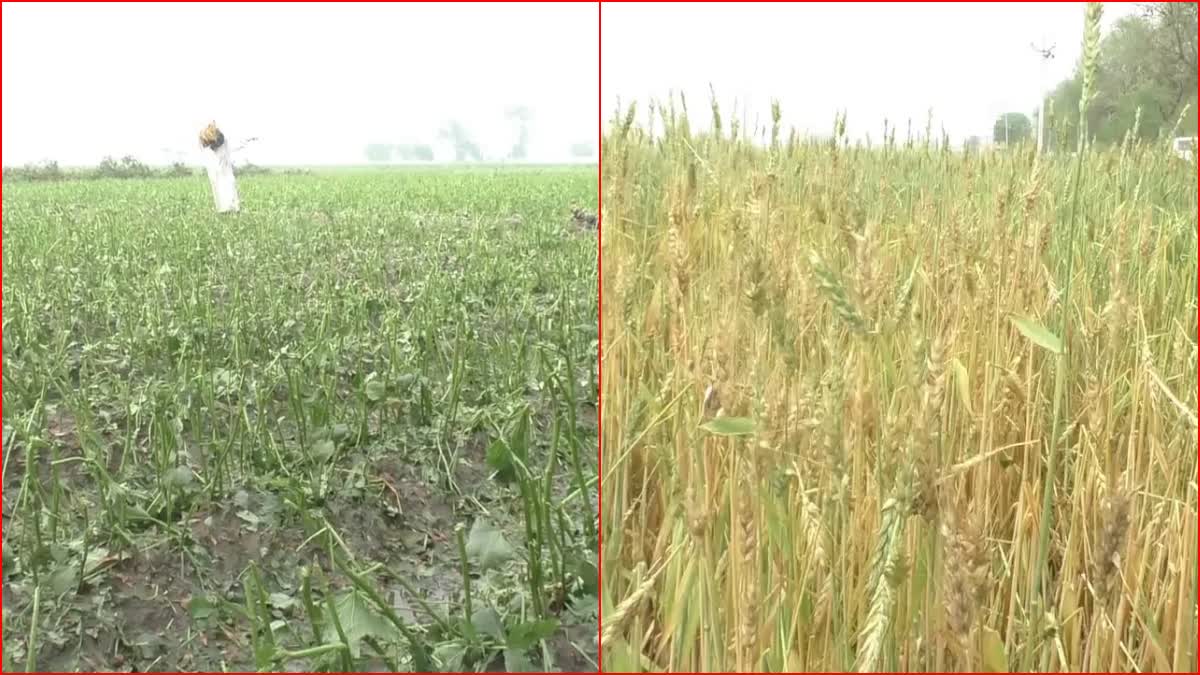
<point>1091,60</point>
<point>881,586</point>
<point>616,622</point>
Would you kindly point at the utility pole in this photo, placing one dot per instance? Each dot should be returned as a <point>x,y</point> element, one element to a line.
<point>1047,53</point>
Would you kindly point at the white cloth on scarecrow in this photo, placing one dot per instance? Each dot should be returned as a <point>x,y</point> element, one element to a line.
<point>219,164</point>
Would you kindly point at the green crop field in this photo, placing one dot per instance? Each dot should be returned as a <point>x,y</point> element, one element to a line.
<point>352,427</point>
<point>898,408</point>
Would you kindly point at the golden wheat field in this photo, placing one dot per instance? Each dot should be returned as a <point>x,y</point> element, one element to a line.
<point>896,408</point>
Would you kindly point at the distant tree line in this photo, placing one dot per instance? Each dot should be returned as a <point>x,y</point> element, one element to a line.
<point>126,167</point>
<point>1146,84</point>
<point>463,143</point>
<point>382,152</point>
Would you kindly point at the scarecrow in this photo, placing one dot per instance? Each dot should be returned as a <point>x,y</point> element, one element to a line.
<point>219,164</point>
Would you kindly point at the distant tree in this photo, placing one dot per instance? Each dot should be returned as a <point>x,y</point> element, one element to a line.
<point>973,144</point>
<point>465,147</point>
<point>1174,58</point>
<point>521,116</point>
<point>415,152</point>
<point>1147,62</point>
<point>127,167</point>
<point>46,170</point>
<point>1012,128</point>
<point>582,150</point>
<point>379,152</point>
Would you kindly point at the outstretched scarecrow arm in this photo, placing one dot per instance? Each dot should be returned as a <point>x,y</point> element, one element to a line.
<point>246,143</point>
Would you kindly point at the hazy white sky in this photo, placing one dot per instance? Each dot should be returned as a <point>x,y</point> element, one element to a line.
<point>316,82</point>
<point>968,61</point>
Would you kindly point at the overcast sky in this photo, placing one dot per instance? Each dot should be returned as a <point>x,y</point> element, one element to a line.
<point>967,61</point>
<point>316,82</point>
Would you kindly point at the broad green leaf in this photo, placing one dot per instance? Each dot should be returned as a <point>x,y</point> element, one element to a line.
<point>281,601</point>
<point>993,657</point>
<point>524,635</point>
<point>1038,334</point>
<point>518,442</point>
<point>730,426</point>
<point>486,546</point>
<point>323,450</point>
<point>64,578</point>
<point>340,432</point>
<point>359,620</point>
<point>200,608</point>
<point>450,655</point>
<point>487,622</point>
<point>590,574</point>
<point>376,390</point>
<point>499,457</point>
<point>180,476</point>
<point>515,661</point>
